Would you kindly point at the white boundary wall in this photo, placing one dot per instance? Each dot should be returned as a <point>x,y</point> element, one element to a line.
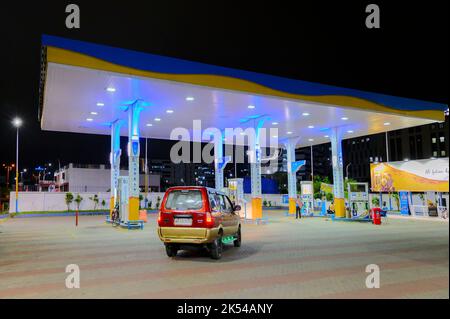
<point>55,201</point>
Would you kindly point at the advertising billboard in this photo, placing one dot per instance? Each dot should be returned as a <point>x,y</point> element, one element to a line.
<point>413,176</point>
<point>326,188</point>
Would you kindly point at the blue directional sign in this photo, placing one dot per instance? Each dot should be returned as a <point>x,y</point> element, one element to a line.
<point>297,165</point>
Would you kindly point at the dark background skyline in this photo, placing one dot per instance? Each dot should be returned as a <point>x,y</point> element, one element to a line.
<point>324,42</point>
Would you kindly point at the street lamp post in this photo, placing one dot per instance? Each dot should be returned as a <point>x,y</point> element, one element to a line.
<point>346,170</point>
<point>17,122</point>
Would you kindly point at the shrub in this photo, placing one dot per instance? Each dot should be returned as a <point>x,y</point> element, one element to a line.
<point>78,201</point>
<point>68,199</point>
<point>95,199</point>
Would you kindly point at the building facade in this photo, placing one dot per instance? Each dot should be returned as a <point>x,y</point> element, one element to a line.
<point>94,178</point>
<point>420,142</point>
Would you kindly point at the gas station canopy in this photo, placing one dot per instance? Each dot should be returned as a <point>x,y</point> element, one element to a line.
<point>85,87</point>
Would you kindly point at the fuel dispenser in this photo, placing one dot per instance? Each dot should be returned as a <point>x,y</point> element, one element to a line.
<point>358,201</point>
<point>307,197</point>
<point>122,198</point>
<point>236,194</point>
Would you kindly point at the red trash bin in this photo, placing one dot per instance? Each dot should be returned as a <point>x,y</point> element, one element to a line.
<point>376,215</point>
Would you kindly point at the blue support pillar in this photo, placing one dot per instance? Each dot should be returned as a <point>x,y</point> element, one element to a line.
<point>134,111</point>
<point>338,172</point>
<point>218,163</point>
<point>255,173</point>
<point>114,159</point>
<point>292,169</point>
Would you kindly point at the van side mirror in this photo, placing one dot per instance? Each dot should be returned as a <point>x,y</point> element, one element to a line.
<point>237,208</point>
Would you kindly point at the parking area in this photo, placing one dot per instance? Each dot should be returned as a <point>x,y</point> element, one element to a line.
<point>286,258</point>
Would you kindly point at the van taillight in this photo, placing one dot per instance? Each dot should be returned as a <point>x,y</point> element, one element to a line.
<point>159,218</point>
<point>209,220</point>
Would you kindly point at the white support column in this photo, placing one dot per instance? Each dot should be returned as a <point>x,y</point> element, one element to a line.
<point>134,111</point>
<point>291,173</point>
<point>218,163</point>
<point>255,173</point>
<point>114,159</point>
<point>338,172</point>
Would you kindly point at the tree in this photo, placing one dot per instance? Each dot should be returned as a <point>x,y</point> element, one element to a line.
<point>396,197</point>
<point>68,199</point>
<point>376,201</point>
<point>158,200</point>
<point>78,201</point>
<point>329,197</point>
<point>141,198</point>
<point>103,203</point>
<point>317,181</point>
<point>281,179</point>
<point>422,198</point>
<point>95,199</point>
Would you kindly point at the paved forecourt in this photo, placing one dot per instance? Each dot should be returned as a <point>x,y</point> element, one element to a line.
<point>287,258</point>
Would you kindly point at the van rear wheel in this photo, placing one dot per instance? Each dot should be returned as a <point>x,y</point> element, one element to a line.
<point>217,247</point>
<point>171,250</point>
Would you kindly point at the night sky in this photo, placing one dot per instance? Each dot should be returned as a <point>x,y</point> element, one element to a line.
<point>324,42</point>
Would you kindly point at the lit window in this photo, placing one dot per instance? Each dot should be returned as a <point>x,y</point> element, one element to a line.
<point>442,153</point>
<point>435,153</point>
<point>442,139</point>
<point>433,140</point>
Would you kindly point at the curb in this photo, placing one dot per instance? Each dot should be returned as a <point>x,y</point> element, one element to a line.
<point>5,216</point>
<point>61,214</point>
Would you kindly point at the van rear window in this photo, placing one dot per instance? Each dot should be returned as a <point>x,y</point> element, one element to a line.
<point>184,200</point>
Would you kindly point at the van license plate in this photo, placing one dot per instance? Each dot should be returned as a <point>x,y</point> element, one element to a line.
<point>183,221</point>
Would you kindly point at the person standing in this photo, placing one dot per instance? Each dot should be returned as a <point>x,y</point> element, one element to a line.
<point>298,209</point>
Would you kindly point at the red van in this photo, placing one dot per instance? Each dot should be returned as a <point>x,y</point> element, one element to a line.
<point>194,216</point>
